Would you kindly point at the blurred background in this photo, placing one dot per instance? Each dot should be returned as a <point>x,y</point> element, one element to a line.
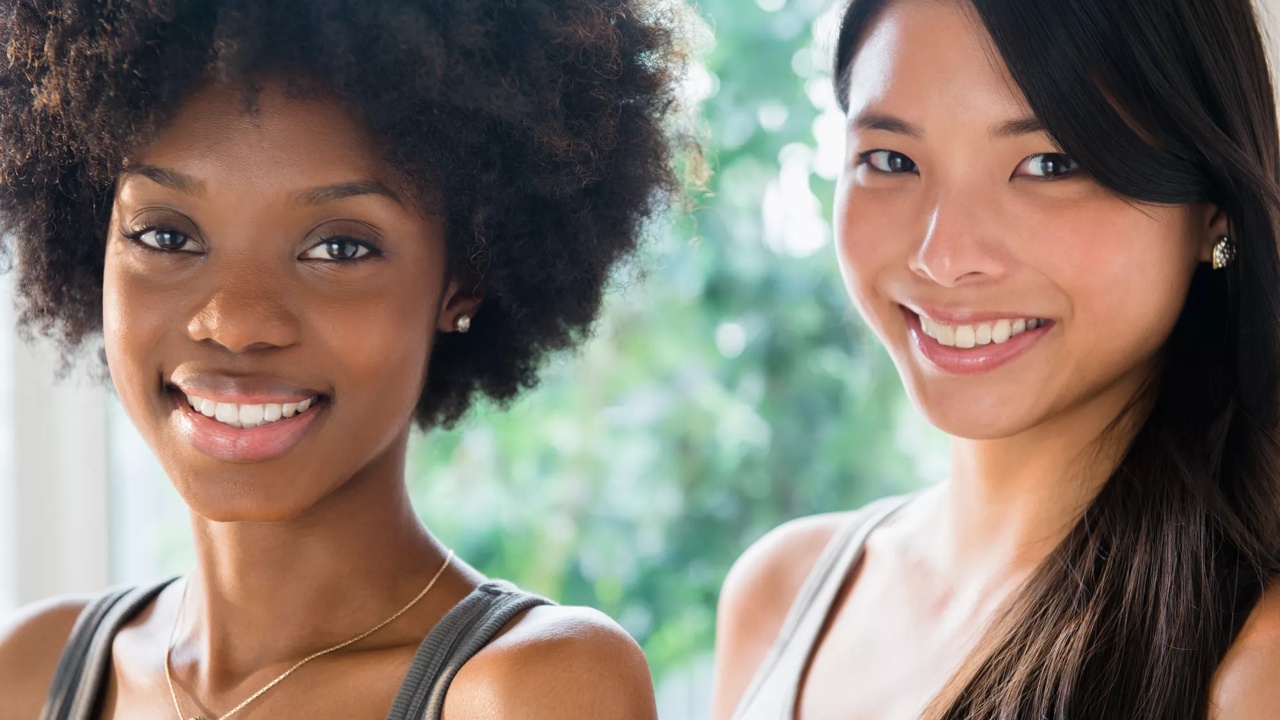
<point>731,389</point>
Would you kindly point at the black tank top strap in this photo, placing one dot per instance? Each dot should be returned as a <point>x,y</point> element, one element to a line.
<point>462,633</point>
<point>86,658</point>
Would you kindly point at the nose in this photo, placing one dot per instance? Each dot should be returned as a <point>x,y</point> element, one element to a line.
<point>961,244</point>
<point>244,312</point>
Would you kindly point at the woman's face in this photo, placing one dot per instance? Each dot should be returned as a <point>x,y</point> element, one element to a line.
<point>1008,287</point>
<point>270,301</point>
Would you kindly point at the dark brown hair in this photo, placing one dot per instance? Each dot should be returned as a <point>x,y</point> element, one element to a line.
<point>545,126</point>
<point>1162,101</point>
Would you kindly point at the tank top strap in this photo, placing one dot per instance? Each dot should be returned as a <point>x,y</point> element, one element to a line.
<point>462,633</point>
<point>77,680</point>
<point>772,692</point>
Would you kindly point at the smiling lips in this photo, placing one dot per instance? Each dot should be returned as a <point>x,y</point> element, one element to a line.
<point>241,419</point>
<point>975,347</point>
<point>248,416</point>
<point>967,336</point>
<point>244,442</point>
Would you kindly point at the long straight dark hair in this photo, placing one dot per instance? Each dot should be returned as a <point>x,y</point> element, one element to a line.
<point>1162,101</point>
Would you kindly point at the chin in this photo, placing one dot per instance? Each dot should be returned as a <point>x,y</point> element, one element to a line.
<point>232,514</point>
<point>246,496</point>
<point>973,413</point>
<point>972,426</point>
<point>237,510</point>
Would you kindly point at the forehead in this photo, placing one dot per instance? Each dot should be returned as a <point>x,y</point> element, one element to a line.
<point>282,140</point>
<point>932,59</point>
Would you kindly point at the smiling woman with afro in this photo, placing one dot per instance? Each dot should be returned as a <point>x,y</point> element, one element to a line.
<point>298,228</point>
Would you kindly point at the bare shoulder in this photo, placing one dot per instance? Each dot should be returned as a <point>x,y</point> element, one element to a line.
<point>756,597</point>
<point>764,581</point>
<point>31,642</point>
<point>556,662</point>
<point>1244,686</point>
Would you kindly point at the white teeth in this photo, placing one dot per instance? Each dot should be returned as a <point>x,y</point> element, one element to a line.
<point>251,415</point>
<point>1001,332</point>
<point>969,336</point>
<point>247,416</point>
<point>227,413</point>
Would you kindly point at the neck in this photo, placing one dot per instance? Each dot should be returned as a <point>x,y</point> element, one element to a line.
<point>266,594</point>
<point>1011,501</point>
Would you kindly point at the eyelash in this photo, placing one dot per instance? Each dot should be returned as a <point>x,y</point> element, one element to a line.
<point>373,250</point>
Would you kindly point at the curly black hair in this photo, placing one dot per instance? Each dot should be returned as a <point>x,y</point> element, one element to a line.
<point>546,127</point>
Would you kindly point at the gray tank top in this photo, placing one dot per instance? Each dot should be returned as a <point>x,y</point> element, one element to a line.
<point>773,691</point>
<point>78,682</point>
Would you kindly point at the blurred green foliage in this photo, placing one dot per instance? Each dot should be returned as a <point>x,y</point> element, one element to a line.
<point>731,389</point>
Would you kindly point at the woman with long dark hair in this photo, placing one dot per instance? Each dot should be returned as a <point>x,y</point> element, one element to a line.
<point>1060,217</point>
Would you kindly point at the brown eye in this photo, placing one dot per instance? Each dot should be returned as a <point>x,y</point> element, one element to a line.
<point>337,249</point>
<point>165,240</point>
<point>1048,166</point>
<point>888,161</point>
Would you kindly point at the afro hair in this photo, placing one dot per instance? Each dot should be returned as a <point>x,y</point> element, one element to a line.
<point>545,130</point>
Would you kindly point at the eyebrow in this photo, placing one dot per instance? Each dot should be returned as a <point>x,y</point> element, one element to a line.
<point>889,123</point>
<point>189,185</point>
<point>1017,128</point>
<point>171,179</point>
<point>343,191</point>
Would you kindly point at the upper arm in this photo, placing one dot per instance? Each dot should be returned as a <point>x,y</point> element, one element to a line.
<point>755,600</point>
<point>556,663</point>
<point>31,643</point>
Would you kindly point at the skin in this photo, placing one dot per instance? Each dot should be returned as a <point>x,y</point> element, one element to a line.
<point>973,225</point>
<point>303,551</point>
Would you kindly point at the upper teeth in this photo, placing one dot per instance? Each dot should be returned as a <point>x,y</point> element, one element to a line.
<point>967,336</point>
<point>247,416</point>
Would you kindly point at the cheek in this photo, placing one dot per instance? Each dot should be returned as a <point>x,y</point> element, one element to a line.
<point>1126,271</point>
<point>133,324</point>
<point>382,339</point>
<point>872,234</point>
<point>385,340</point>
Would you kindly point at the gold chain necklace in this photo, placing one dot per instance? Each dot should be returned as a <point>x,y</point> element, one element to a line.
<point>168,676</point>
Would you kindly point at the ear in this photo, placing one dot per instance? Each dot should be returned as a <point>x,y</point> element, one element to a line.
<point>1214,227</point>
<point>455,304</point>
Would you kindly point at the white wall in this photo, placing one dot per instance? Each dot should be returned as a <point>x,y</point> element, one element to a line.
<point>53,480</point>
<point>8,503</point>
